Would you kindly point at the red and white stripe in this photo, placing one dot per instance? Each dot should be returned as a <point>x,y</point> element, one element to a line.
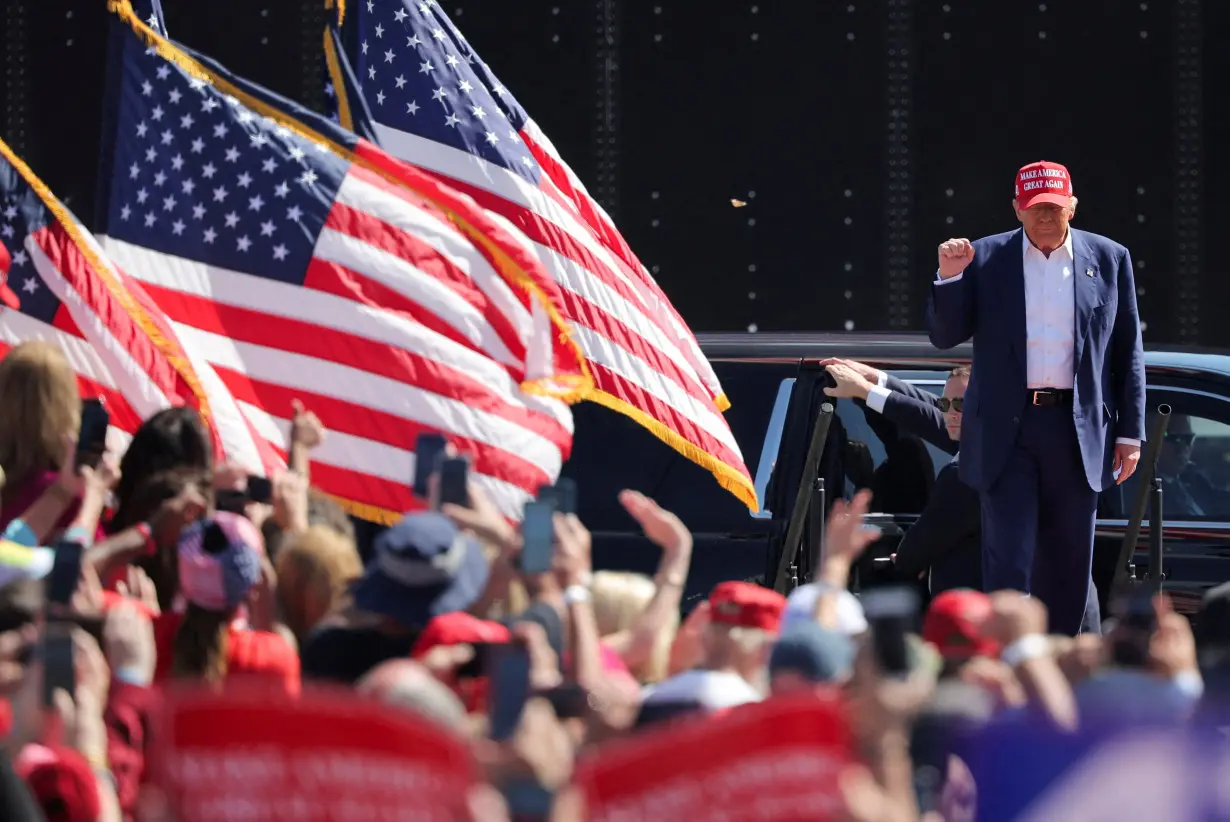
<point>402,324</point>
<point>114,356</point>
<point>640,351</point>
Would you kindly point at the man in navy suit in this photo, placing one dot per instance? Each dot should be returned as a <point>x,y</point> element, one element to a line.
<point>1055,410</point>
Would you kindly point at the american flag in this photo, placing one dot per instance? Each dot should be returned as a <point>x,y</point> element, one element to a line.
<point>438,105</point>
<point>300,262</point>
<point>71,297</point>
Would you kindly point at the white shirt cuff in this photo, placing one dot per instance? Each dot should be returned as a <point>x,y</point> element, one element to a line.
<point>941,281</point>
<point>876,398</point>
<point>1127,441</point>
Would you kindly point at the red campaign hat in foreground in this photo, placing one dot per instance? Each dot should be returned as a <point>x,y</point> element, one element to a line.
<point>1042,182</point>
<point>746,605</point>
<point>7,296</point>
<point>954,624</point>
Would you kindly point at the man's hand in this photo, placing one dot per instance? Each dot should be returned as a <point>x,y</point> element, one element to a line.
<point>867,372</point>
<point>1127,457</point>
<point>849,382</point>
<point>955,255</point>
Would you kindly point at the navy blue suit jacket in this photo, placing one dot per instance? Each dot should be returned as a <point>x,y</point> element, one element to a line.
<point>947,537</point>
<point>988,305</point>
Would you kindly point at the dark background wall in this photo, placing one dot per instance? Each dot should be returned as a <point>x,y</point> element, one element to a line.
<point>859,133</point>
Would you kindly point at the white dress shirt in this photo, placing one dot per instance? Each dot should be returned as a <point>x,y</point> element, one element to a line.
<point>1050,317</point>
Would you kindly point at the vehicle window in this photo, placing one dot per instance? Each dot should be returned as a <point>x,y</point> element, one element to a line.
<point>901,485</point>
<point>1194,461</point>
<point>772,444</point>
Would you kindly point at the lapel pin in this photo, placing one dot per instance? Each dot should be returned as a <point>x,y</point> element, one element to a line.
<point>1088,272</point>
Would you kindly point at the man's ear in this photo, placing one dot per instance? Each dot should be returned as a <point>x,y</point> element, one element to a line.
<point>1016,209</point>
<point>1073,207</point>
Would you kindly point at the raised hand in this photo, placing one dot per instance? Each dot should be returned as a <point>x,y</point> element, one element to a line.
<point>867,372</point>
<point>847,382</point>
<point>955,255</point>
<point>662,527</point>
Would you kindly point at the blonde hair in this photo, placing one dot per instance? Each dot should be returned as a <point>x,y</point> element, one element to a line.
<point>618,599</point>
<point>315,567</point>
<point>39,407</point>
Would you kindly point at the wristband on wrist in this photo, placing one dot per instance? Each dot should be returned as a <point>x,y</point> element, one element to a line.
<point>1189,683</point>
<point>131,676</point>
<point>576,594</point>
<point>1030,646</point>
<point>144,529</point>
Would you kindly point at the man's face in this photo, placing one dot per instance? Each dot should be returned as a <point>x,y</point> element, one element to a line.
<point>1177,445</point>
<point>1046,223</point>
<point>954,389</point>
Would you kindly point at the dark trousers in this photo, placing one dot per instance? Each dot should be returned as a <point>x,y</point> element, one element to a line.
<point>1038,520</point>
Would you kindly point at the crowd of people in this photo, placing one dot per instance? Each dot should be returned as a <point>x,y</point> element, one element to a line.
<point>185,582</point>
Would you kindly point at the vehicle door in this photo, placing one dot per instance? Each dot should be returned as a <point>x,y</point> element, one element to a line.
<point>1194,466</point>
<point>612,452</point>
<point>899,468</point>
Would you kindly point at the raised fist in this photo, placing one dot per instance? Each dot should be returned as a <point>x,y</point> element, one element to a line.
<point>955,255</point>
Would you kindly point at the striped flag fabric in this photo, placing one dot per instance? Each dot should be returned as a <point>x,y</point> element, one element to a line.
<point>438,105</point>
<point>299,261</point>
<point>68,294</point>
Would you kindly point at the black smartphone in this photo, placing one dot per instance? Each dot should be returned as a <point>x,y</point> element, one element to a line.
<point>260,489</point>
<point>428,452</point>
<point>65,572</point>
<point>891,614</point>
<point>509,670</point>
<point>59,673</point>
<point>454,481</point>
<point>479,664</point>
<point>537,537</point>
<point>548,494</point>
<point>92,436</point>
<point>570,700</point>
<point>231,501</point>
<point>1137,618</point>
<point>1137,611</point>
<point>563,494</point>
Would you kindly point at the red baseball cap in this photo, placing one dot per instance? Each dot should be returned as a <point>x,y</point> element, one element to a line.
<point>746,605</point>
<point>7,295</point>
<point>458,628</point>
<point>954,625</point>
<point>1043,182</point>
<point>62,782</point>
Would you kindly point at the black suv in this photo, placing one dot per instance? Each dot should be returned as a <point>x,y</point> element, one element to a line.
<point>774,380</point>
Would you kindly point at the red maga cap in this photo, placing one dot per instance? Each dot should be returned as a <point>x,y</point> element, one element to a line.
<point>954,624</point>
<point>746,605</point>
<point>1042,182</point>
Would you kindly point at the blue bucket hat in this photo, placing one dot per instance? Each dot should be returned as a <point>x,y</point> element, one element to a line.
<point>422,567</point>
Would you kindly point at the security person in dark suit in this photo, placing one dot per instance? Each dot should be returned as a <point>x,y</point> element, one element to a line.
<point>947,538</point>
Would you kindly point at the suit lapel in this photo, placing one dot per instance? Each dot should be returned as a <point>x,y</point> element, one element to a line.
<point>1014,292</point>
<point>1085,291</point>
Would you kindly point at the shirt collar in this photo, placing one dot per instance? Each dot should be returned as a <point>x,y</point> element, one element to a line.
<point>1027,245</point>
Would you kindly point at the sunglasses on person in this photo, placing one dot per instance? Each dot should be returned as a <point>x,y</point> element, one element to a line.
<point>954,403</point>
<point>1181,439</point>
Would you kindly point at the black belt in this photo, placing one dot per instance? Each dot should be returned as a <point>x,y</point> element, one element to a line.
<point>1049,396</point>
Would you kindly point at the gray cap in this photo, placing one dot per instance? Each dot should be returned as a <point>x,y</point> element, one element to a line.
<point>818,654</point>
